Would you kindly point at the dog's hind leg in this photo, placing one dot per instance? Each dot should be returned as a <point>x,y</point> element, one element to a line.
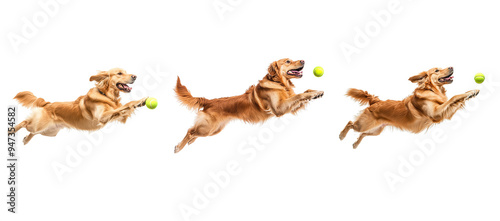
<point>373,132</point>
<point>189,137</point>
<point>51,132</point>
<point>344,132</point>
<point>38,125</point>
<point>27,139</point>
<point>193,139</point>
<point>218,129</point>
<point>192,135</point>
<point>18,127</point>
<point>221,126</point>
<point>204,126</point>
<point>364,122</point>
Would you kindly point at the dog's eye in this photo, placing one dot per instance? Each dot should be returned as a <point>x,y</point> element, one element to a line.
<point>119,73</point>
<point>437,70</point>
<point>288,61</point>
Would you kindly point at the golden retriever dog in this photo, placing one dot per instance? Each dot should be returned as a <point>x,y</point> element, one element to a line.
<point>272,96</point>
<point>427,105</point>
<point>90,112</point>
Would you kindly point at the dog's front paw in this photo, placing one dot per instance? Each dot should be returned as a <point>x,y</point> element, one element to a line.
<point>141,103</point>
<point>318,94</point>
<point>471,94</point>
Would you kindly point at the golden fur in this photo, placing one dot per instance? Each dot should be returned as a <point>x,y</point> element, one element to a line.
<point>426,106</point>
<point>92,111</point>
<point>272,96</point>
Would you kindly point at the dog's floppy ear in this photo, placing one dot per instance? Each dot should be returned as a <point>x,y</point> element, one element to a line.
<point>273,74</point>
<point>273,70</point>
<point>99,77</point>
<point>418,77</point>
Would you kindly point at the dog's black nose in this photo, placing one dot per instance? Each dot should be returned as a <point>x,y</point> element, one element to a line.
<point>451,68</point>
<point>302,62</point>
<point>134,77</point>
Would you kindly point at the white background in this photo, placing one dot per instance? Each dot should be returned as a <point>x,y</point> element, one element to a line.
<point>305,172</point>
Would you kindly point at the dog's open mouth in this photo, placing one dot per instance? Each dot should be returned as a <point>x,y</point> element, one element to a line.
<point>447,79</point>
<point>296,72</point>
<point>124,87</point>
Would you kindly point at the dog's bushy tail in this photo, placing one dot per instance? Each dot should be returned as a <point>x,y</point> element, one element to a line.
<point>29,100</point>
<point>185,97</point>
<point>362,97</point>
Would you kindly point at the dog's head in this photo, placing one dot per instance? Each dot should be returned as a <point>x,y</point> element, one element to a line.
<point>434,76</point>
<point>286,69</point>
<point>115,80</point>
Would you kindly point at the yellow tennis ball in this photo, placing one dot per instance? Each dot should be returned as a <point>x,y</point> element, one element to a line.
<point>151,103</point>
<point>318,71</point>
<point>479,78</point>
